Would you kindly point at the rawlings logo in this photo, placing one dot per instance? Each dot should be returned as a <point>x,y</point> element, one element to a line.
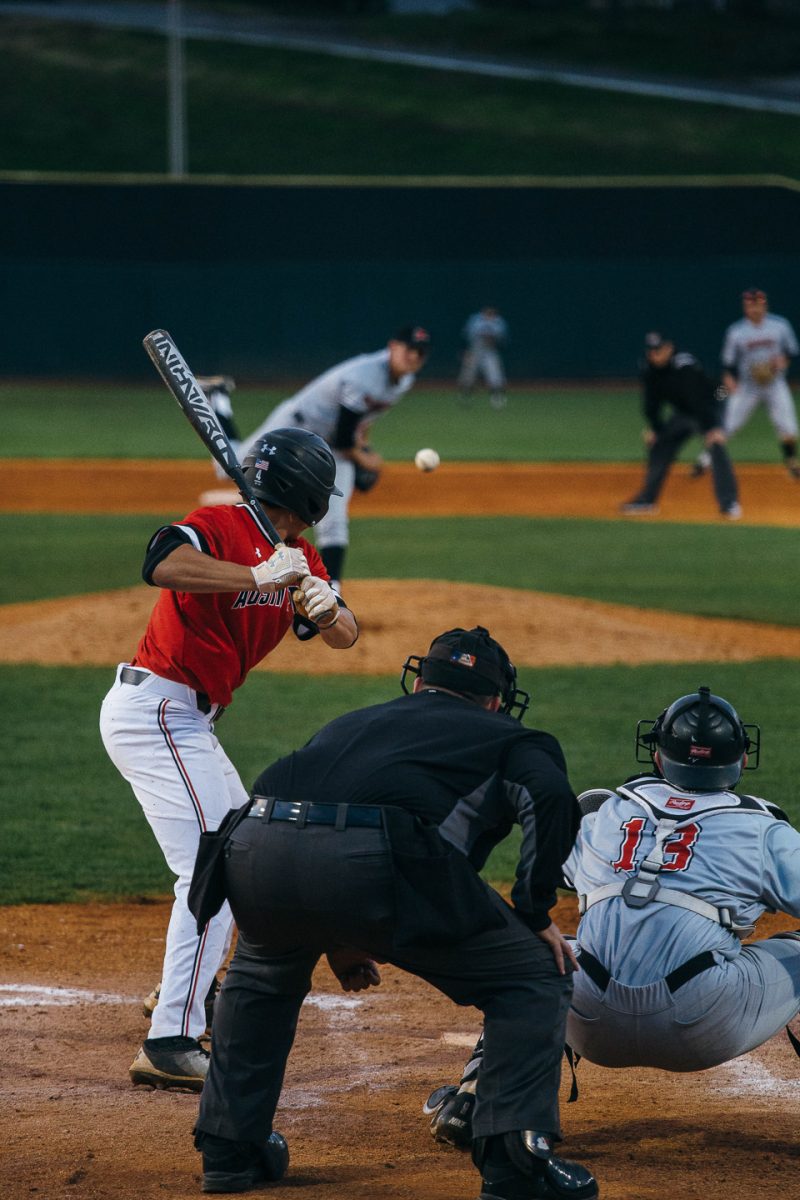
<point>681,802</point>
<point>699,751</point>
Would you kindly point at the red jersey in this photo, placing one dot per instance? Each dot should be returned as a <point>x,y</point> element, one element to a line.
<point>211,640</point>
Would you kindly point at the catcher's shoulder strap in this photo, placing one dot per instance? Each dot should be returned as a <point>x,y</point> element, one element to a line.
<point>642,888</point>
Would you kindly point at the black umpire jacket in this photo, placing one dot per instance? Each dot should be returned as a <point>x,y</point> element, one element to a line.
<point>447,763</point>
<point>684,386</point>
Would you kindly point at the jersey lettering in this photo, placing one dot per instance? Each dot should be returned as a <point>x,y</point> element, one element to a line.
<point>632,831</point>
<point>248,599</point>
<point>678,851</point>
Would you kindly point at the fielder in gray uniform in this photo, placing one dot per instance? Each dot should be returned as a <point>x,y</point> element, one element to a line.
<point>485,332</point>
<point>755,358</point>
<point>340,405</point>
<point>672,870</point>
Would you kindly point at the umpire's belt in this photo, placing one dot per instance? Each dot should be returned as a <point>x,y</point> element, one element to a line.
<point>304,812</point>
<point>676,979</point>
<point>181,691</point>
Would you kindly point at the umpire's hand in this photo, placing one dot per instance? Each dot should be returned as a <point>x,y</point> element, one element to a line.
<point>560,946</point>
<point>354,969</point>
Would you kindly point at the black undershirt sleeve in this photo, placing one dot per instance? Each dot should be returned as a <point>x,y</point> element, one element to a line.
<point>163,542</point>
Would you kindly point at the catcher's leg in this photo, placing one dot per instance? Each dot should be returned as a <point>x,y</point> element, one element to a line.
<point>450,1108</point>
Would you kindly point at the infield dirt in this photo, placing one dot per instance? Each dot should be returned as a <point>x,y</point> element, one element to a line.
<point>72,1125</point>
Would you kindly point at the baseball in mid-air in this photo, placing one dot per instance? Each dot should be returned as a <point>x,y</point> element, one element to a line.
<point>427,460</point>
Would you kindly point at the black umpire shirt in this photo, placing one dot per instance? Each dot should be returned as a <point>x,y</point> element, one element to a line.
<point>453,764</point>
<point>683,385</point>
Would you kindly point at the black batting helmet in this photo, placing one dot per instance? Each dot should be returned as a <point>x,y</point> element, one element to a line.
<point>469,660</point>
<point>700,741</point>
<point>294,469</point>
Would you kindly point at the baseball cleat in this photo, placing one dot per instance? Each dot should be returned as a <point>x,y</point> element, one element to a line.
<point>172,1062</point>
<point>636,508</point>
<point>697,470</point>
<point>793,467</point>
<point>150,1001</point>
<point>733,512</point>
<point>450,1110</point>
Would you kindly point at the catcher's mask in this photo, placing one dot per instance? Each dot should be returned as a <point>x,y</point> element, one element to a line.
<point>472,662</point>
<point>293,469</point>
<point>701,743</point>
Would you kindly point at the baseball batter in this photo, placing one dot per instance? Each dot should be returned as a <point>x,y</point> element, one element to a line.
<point>755,358</point>
<point>672,870</point>
<point>340,406</point>
<point>485,332</point>
<point>224,605</point>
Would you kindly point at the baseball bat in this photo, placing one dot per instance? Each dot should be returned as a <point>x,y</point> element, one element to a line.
<point>176,374</point>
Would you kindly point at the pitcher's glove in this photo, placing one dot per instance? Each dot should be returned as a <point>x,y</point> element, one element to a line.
<point>365,479</point>
<point>763,372</point>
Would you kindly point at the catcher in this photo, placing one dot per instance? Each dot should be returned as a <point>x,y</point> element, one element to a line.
<point>673,869</point>
<point>676,381</point>
<point>340,406</point>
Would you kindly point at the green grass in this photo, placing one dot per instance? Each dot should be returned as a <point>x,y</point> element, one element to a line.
<point>86,100</point>
<point>72,829</point>
<point>682,568</point>
<point>546,423</point>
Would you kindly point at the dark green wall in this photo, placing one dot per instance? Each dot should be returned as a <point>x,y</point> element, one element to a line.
<point>273,281</point>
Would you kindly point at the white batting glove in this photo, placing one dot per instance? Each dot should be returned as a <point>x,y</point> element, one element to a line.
<point>319,602</point>
<point>282,569</point>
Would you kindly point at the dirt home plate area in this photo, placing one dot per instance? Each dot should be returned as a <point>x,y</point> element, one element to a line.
<point>72,978</point>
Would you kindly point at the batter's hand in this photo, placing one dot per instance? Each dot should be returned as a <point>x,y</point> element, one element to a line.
<point>282,569</point>
<point>318,601</point>
<point>354,969</point>
<point>560,947</point>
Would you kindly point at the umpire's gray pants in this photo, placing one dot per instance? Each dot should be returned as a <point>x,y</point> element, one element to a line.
<point>297,892</point>
<point>720,1014</point>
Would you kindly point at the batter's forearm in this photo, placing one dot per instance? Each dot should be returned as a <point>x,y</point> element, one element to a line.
<point>187,570</point>
<point>343,634</point>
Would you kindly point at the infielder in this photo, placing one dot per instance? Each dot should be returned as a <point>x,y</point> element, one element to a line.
<point>224,605</point>
<point>340,406</point>
<point>755,358</point>
<point>672,870</point>
<point>485,332</point>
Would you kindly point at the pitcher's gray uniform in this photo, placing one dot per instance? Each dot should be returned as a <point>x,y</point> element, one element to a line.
<point>340,406</point>
<point>669,880</point>
<point>484,333</point>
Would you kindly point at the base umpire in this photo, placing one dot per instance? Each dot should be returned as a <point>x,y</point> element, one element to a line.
<point>366,845</point>
<point>675,382</point>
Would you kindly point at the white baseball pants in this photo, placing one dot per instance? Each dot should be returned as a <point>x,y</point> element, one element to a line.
<point>776,398</point>
<point>165,747</point>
